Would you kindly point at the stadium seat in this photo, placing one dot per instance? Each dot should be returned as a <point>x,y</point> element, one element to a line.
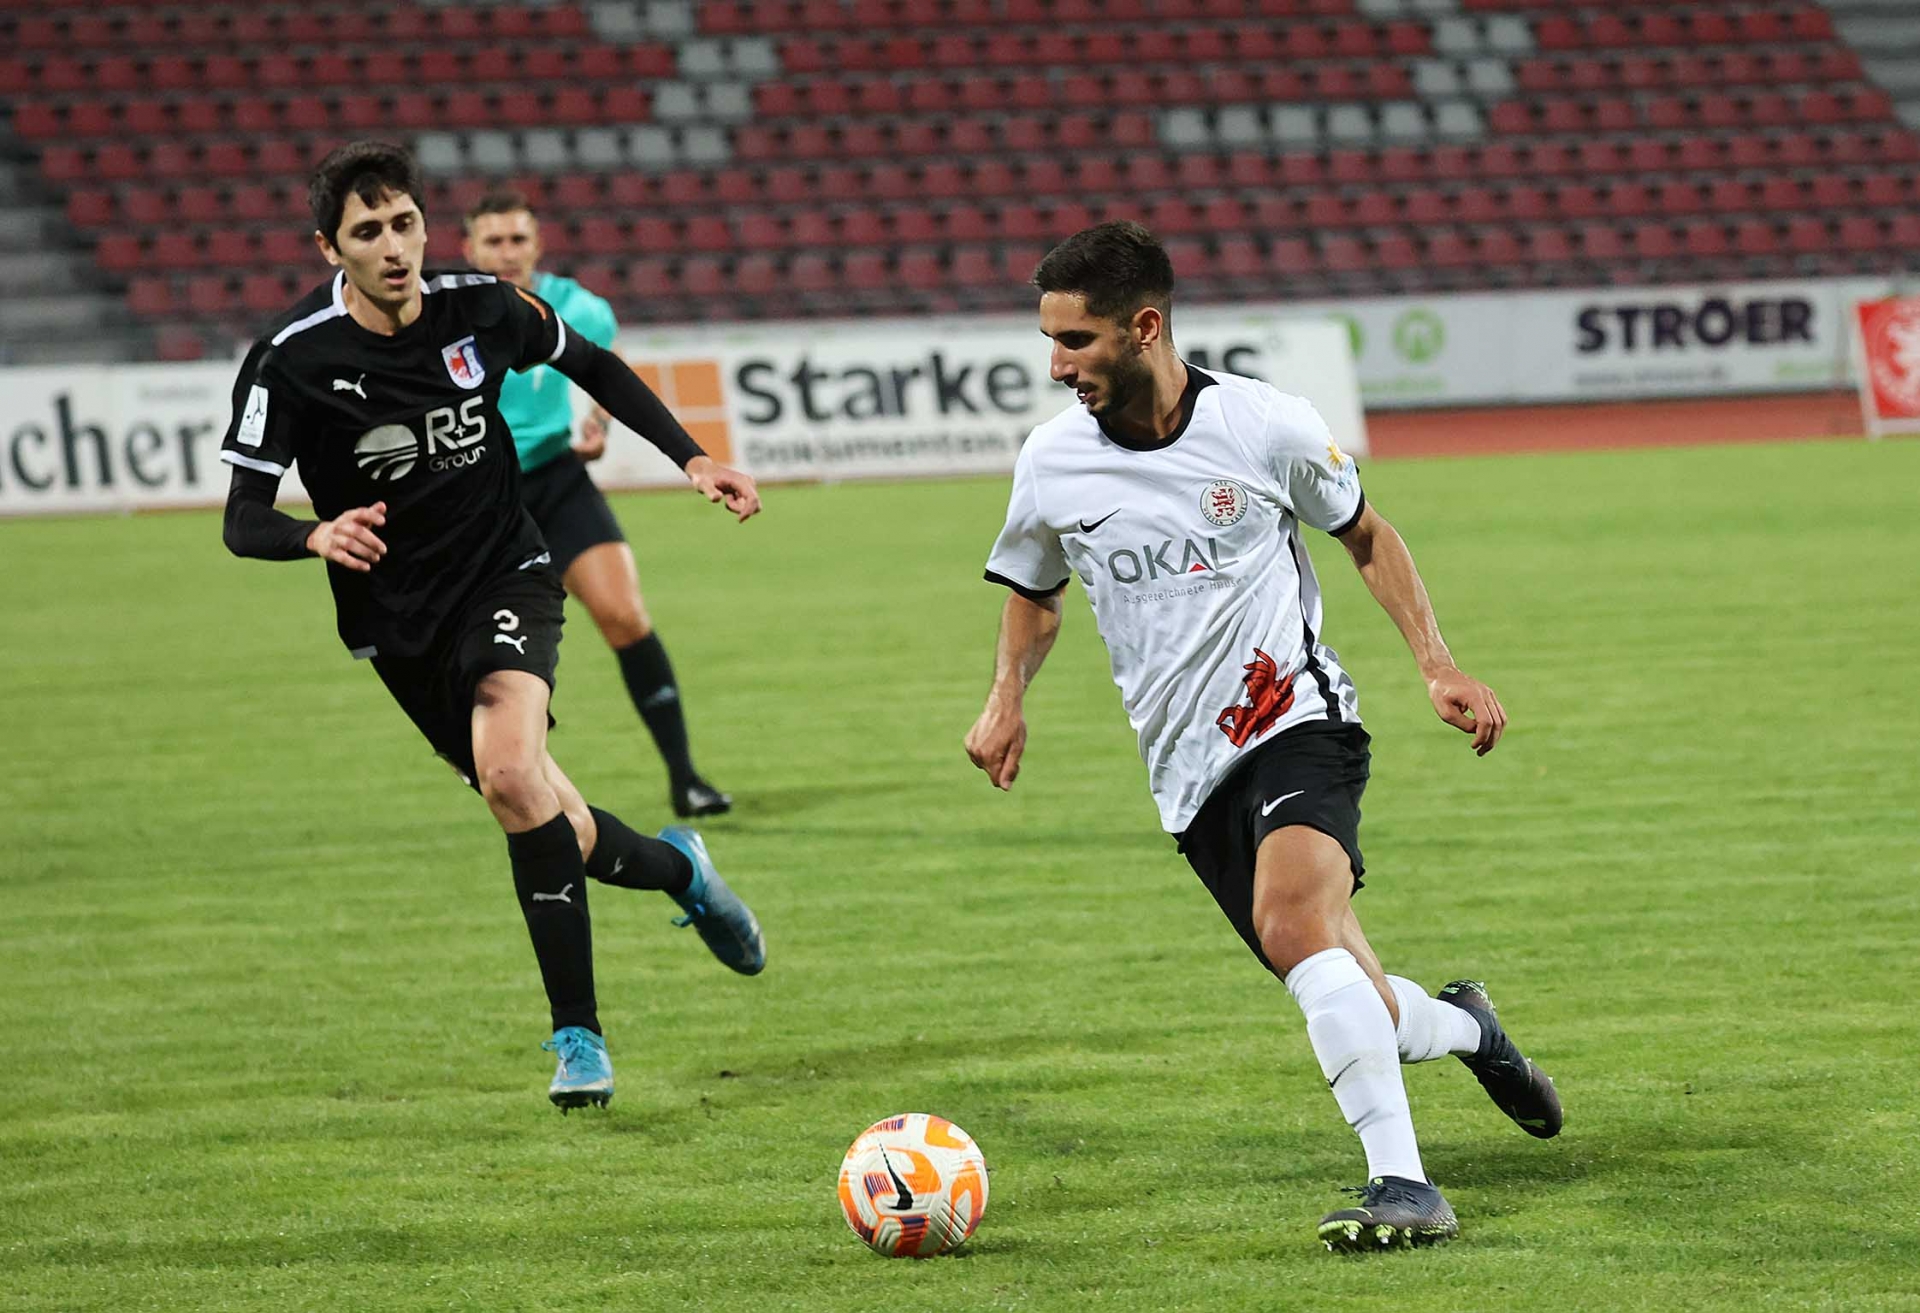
<point>1423,145</point>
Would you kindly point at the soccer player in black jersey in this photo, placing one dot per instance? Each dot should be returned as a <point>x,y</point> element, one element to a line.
<point>381,385</point>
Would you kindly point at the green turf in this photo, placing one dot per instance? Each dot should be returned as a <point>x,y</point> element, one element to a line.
<point>270,1020</point>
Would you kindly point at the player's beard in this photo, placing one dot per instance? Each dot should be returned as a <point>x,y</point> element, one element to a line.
<point>1129,379</point>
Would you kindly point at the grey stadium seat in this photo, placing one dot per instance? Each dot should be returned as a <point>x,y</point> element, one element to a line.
<point>1185,129</point>
<point>705,145</point>
<point>439,152</point>
<point>599,148</point>
<point>1349,125</point>
<point>492,152</point>
<point>617,22</point>
<point>1436,77</point>
<point>651,149</point>
<point>1403,121</point>
<point>545,149</point>
<point>727,102</point>
<point>677,102</point>
<point>1240,125</point>
<point>1294,125</point>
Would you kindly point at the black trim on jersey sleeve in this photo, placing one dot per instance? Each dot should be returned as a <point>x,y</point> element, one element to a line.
<point>610,381</point>
<point>1353,519</point>
<point>1031,594</point>
<point>255,528</point>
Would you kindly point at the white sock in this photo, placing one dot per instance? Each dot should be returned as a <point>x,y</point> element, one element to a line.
<point>1352,1035</point>
<point>1428,1028</point>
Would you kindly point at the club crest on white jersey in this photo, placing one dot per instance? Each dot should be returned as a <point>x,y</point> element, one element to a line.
<point>1223,503</point>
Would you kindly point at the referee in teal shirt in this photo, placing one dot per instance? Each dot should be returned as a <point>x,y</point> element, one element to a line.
<point>589,552</point>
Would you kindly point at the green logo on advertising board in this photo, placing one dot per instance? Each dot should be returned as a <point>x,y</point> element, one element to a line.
<point>1419,336</point>
<point>1355,336</point>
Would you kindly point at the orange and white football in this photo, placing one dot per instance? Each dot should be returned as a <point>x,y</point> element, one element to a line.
<point>913,1185</point>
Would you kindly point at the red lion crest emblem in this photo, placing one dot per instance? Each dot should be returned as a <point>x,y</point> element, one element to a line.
<point>1269,697</point>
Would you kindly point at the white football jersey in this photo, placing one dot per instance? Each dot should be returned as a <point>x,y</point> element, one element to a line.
<point>1190,553</point>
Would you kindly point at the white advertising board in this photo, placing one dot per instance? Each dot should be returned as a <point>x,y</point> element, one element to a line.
<point>919,397</point>
<point>883,399</point>
<point>1607,344</point>
<point>95,437</point>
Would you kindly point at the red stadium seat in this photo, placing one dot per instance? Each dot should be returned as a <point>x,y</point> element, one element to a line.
<point>150,297</point>
<point>264,292</point>
<point>1706,239</point>
<point>1601,241</point>
<point>1755,237</point>
<point>1548,245</point>
<point>1655,241</point>
<point>1342,253</point>
<point>1497,248</point>
<point>1861,232</point>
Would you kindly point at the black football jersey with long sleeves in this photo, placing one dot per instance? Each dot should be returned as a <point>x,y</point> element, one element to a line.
<point>411,420</point>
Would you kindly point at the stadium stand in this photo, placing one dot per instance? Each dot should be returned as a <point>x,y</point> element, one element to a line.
<point>773,158</point>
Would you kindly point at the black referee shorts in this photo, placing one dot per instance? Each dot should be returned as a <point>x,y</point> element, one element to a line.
<point>570,509</point>
<point>1312,774</point>
<point>512,623</point>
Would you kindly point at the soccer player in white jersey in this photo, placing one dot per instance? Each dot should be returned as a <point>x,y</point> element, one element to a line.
<point>1178,497</point>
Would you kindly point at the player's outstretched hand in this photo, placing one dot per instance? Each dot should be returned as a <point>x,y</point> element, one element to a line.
<point>349,538</point>
<point>996,742</point>
<point>1469,706</point>
<point>592,442</point>
<point>717,483</point>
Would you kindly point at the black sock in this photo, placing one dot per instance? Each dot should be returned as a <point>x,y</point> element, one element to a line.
<point>656,697</point>
<point>634,861</point>
<point>551,882</point>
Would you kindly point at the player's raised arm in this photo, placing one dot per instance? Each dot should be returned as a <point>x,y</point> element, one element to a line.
<point>610,382</point>
<point>1382,558</point>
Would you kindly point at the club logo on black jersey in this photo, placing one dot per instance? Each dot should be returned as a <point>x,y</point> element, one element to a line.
<point>1223,502</point>
<point>464,365</point>
<point>387,453</point>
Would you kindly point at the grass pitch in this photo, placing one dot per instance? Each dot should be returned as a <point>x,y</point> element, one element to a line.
<point>271,1019</point>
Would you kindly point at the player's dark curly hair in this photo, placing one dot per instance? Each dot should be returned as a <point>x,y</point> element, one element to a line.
<point>367,169</point>
<point>1118,267</point>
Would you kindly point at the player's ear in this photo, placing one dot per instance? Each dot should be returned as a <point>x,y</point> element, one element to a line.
<point>1148,324</point>
<point>326,248</point>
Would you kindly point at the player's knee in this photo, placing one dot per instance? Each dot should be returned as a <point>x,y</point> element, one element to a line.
<point>1292,927</point>
<point>624,625</point>
<point>516,789</point>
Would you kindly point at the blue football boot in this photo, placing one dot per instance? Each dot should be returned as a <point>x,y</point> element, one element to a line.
<point>584,1074</point>
<point>726,925</point>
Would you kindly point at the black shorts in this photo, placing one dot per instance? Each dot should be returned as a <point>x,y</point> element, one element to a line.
<point>513,623</point>
<point>1312,774</point>
<point>570,509</point>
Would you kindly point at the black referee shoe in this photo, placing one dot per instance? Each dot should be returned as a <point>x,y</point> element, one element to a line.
<point>1393,1211</point>
<point>1517,1087</point>
<point>698,798</point>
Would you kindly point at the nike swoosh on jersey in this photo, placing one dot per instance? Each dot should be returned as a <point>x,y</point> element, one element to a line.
<point>1089,528</point>
<point>1267,810</point>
